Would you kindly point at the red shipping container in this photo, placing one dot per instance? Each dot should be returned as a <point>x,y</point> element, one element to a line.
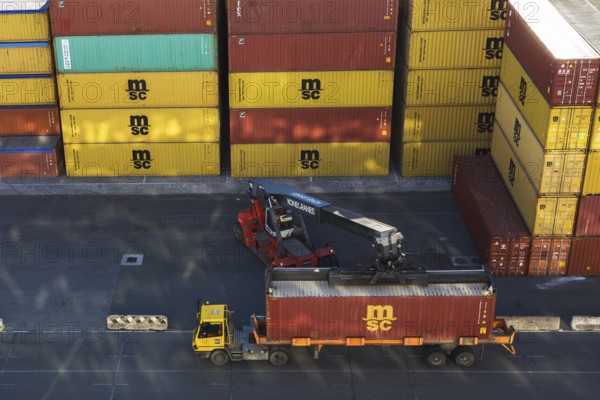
<point>122,17</point>
<point>562,64</point>
<point>312,52</point>
<point>315,310</point>
<point>585,257</point>
<point>311,16</point>
<point>30,156</point>
<point>588,216</point>
<point>301,125</point>
<point>549,256</point>
<point>29,121</point>
<point>500,236</point>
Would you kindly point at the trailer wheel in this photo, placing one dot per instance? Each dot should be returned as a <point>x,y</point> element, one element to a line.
<point>436,358</point>
<point>238,232</point>
<point>219,357</point>
<point>279,358</point>
<point>464,357</point>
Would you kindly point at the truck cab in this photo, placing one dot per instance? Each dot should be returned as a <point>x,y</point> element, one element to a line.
<point>213,330</point>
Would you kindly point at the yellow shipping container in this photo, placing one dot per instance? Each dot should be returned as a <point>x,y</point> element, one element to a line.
<point>557,128</point>
<point>595,141</point>
<point>19,90</point>
<point>309,159</point>
<point>452,86</point>
<point>433,15</point>
<point>436,158</point>
<point>138,89</point>
<point>455,49</point>
<point>141,159</point>
<point>141,125</point>
<point>433,123</point>
<point>25,59</point>
<point>24,27</point>
<point>311,89</point>
<point>591,180</point>
<point>549,215</point>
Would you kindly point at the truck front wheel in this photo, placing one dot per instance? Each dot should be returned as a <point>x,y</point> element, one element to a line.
<point>219,357</point>
<point>279,358</point>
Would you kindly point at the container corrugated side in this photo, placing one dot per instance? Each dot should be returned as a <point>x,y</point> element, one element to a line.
<point>24,90</point>
<point>549,256</point>
<point>312,52</point>
<point>29,121</point>
<point>595,136</point>
<point>310,125</point>
<point>142,159</point>
<point>309,159</point>
<point>548,215</point>
<point>563,65</point>
<point>120,17</point>
<point>170,125</point>
<point>436,158</point>
<point>31,157</point>
<point>559,128</point>
<point>591,179</point>
<point>455,49</point>
<point>311,89</point>
<point>121,53</point>
<point>24,27</point>
<point>585,257</point>
<point>452,86</point>
<point>443,15</point>
<point>25,58</point>
<point>307,16</point>
<point>588,216</point>
<point>138,89</point>
<point>437,123</point>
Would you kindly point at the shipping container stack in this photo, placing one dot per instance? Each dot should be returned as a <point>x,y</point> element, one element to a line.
<point>29,129</point>
<point>310,87</point>
<point>548,83</point>
<point>445,96</point>
<point>138,87</point>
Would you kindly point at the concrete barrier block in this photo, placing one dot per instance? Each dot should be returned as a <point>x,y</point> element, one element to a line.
<point>1,326</point>
<point>533,323</point>
<point>585,323</point>
<point>137,322</point>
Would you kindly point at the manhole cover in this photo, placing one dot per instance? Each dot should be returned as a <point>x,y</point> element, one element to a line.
<point>132,259</point>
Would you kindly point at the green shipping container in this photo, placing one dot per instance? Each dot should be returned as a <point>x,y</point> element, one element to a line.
<point>122,53</point>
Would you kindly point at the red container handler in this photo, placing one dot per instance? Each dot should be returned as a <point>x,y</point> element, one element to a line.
<point>585,256</point>
<point>31,157</point>
<point>588,216</point>
<point>122,17</point>
<point>308,16</point>
<point>302,125</point>
<point>29,121</point>
<point>563,65</point>
<point>498,231</point>
<point>549,256</point>
<point>312,52</point>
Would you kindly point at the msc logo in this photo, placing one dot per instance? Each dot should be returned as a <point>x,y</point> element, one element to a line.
<point>141,159</point>
<point>139,125</point>
<point>522,90</point>
<point>498,10</point>
<point>311,89</point>
<point>517,132</point>
<point>493,48</point>
<point>379,318</point>
<point>489,85</point>
<point>137,89</point>
<point>485,122</point>
<point>309,159</point>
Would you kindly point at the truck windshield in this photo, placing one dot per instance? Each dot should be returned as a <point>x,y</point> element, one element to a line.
<point>210,329</point>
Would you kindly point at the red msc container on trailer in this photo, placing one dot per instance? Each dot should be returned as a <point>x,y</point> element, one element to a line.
<point>312,52</point>
<point>315,310</point>
<point>305,125</point>
<point>122,17</point>
<point>496,228</point>
<point>563,65</point>
<point>585,256</point>
<point>307,16</point>
<point>30,156</point>
<point>29,121</point>
<point>588,216</point>
<point>549,256</point>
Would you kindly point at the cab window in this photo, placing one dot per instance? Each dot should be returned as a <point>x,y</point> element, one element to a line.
<point>210,329</point>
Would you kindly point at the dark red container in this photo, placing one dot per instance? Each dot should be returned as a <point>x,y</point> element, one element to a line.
<point>301,125</point>
<point>496,228</point>
<point>314,310</point>
<point>549,256</point>
<point>311,16</point>
<point>29,121</point>
<point>585,257</point>
<point>312,52</point>
<point>122,17</point>
<point>560,62</point>
<point>30,157</point>
<point>588,216</point>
